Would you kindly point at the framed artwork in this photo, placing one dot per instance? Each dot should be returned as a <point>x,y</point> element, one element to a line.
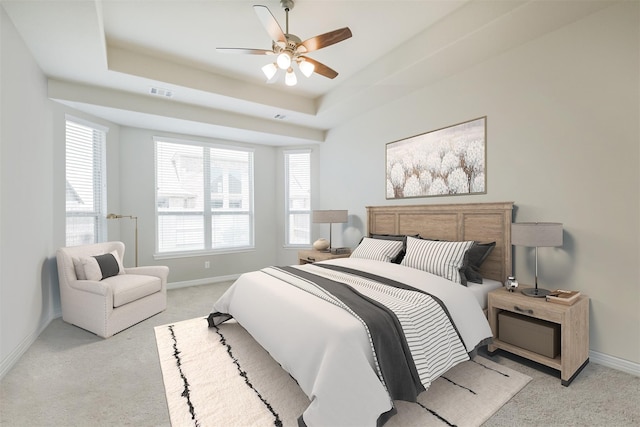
<point>442,162</point>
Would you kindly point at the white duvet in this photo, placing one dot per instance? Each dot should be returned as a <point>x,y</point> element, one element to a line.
<point>325,348</point>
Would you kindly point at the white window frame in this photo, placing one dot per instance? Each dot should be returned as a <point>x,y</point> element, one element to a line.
<point>208,212</point>
<point>99,184</point>
<point>289,211</point>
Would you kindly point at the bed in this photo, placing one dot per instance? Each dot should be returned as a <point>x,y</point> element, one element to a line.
<point>395,328</point>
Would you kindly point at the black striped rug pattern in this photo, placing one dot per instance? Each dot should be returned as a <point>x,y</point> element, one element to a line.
<point>221,376</point>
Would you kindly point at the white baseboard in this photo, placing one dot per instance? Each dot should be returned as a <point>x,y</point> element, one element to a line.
<point>8,362</point>
<point>206,281</point>
<point>615,363</point>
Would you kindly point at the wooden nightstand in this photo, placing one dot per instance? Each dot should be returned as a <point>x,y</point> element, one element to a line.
<point>305,257</point>
<point>574,329</point>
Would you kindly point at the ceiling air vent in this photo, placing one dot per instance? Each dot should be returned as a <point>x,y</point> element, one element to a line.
<point>158,91</point>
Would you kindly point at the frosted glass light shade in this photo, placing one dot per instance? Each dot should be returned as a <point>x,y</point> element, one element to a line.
<point>290,78</point>
<point>270,70</point>
<point>284,60</point>
<point>306,68</point>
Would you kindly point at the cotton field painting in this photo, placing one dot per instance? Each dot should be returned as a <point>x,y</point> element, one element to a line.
<point>442,162</point>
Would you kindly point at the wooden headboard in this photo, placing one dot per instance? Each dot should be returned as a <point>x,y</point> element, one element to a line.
<point>482,222</point>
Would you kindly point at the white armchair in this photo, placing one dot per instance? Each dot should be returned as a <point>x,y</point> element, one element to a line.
<point>108,306</point>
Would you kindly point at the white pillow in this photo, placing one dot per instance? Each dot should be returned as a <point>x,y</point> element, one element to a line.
<point>437,257</point>
<point>377,249</point>
<point>79,267</point>
<point>100,267</point>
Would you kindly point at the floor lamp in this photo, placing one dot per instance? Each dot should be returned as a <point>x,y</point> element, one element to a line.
<point>135,218</point>
<point>536,234</point>
<point>330,217</point>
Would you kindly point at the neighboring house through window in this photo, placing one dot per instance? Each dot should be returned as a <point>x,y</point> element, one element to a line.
<point>298,197</point>
<point>204,197</point>
<point>85,182</point>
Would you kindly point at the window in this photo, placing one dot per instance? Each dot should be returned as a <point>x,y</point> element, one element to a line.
<point>204,197</point>
<point>297,166</point>
<point>85,182</point>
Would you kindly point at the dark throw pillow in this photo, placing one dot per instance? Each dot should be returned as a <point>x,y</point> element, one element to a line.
<point>473,259</point>
<point>108,265</point>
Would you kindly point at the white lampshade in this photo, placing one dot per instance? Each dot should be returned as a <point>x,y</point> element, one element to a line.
<point>270,70</point>
<point>290,78</point>
<point>284,60</point>
<point>306,68</point>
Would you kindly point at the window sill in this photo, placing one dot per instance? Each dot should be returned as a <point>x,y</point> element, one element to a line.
<point>194,254</point>
<point>297,247</point>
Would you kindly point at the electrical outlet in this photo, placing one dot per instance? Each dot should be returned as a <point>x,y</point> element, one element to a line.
<point>207,264</point>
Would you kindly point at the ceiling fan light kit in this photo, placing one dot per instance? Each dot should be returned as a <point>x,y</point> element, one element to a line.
<point>270,70</point>
<point>289,48</point>
<point>284,60</point>
<point>290,78</point>
<point>306,67</point>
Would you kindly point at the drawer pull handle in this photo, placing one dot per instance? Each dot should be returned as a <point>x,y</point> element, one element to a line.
<point>522,310</point>
<point>311,259</point>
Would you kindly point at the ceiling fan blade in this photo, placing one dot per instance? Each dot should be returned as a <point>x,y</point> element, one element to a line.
<point>270,23</point>
<point>326,39</point>
<point>321,69</point>
<point>244,51</point>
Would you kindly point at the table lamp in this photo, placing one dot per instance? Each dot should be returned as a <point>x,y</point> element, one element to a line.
<point>536,234</point>
<point>330,217</point>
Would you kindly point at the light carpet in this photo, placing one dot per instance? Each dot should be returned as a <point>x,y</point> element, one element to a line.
<point>223,377</point>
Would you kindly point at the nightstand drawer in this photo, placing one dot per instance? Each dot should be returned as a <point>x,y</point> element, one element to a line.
<point>538,308</point>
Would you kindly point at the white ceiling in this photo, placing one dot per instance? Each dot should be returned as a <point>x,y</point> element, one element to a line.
<point>103,56</point>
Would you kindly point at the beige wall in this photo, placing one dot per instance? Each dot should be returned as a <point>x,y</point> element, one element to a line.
<point>32,204</point>
<point>562,143</point>
<point>26,197</point>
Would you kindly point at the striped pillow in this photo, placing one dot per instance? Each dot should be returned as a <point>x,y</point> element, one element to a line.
<point>436,257</point>
<point>377,249</point>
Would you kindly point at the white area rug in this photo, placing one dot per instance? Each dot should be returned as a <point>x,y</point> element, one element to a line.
<point>222,377</point>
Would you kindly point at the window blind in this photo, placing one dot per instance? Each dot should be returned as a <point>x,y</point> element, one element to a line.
<point>85,183</point>
<point>204,197</point>
<point>298,197</point>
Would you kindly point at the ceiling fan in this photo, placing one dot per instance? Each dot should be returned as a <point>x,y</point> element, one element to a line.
<point>290,49</point>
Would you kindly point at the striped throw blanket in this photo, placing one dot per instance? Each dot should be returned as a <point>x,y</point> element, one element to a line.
<point>412,336</point>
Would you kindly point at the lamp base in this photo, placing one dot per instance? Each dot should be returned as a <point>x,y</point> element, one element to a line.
<point>536,292</point>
